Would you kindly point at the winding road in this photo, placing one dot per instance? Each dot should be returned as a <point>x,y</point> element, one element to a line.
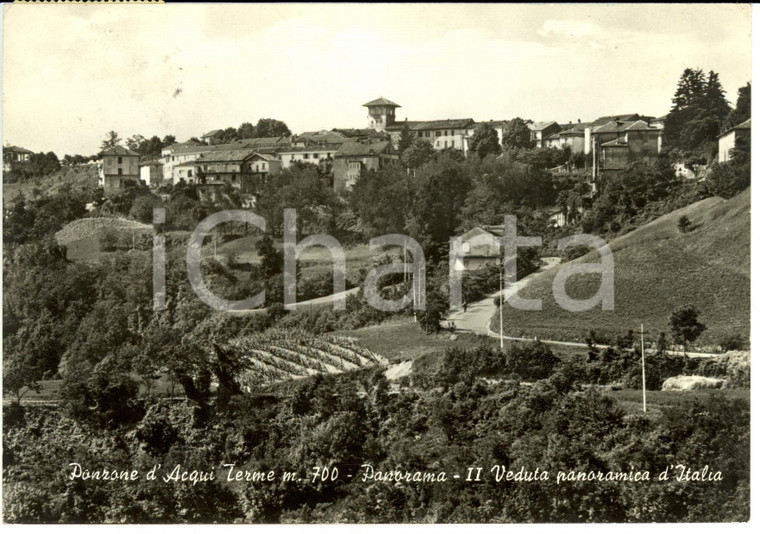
<point>477,318</point>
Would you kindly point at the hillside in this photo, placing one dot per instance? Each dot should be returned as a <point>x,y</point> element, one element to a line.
<point>78,177</point>
<point>658,270</point>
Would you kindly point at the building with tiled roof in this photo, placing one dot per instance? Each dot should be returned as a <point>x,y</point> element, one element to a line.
<point>618,143</point>
<point>353,158</point>
<point>117,167</point>
<point>15,155</point>
<point>244,169</point>
<point>541,131</point>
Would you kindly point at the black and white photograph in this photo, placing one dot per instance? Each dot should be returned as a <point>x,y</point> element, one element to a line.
<point>397,264</point>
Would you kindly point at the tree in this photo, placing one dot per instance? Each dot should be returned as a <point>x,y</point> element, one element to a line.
<point>271,258</point>
<point>246,131</point>
<point>684,224</point>
<point>112,140</point>
<point>271,128</point>
<point>168,140</point>
<point>19,377</point>
<point>685,325</point>
<point>406,140</point>
<point>699,109</point>
<point>228,135</point>
<point>485,141</point>
<point>135,142</point>
<point>419,153</point>
<point>743,109</point>
<point>516,135</point>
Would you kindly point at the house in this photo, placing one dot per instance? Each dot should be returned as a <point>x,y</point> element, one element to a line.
<point>15,155</point>
<point>573,136</point>
<point>243,169</point>
<point>727,140</point>
<point>116,167</point>
<point>152,172</point>
<point>617,144</point>
<point>449,133</point>
<point>214,137</point>
<point>179,154</point>
<point>540,132</point>
<point>480,247</point>
<point>557,218</point>
<point>318,155</point>
<point>354,157</point>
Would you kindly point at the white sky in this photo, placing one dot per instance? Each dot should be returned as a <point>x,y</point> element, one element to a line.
<point>71,73</point>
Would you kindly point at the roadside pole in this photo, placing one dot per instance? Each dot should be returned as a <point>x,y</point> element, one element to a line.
<point>643,372</point>
<point>501,316</point>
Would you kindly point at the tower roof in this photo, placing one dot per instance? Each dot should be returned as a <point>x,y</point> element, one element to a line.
<point>381,102</point>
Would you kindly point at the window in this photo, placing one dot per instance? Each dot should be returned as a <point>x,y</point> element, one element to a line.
<point>305,156</point>
<point>234,177</point>
<point>419,134</point>
<point>445,144</point>
<point>119,172</point>
<point>189,174</point>
<point>316,156</point>
<point>119,159</point>
<point>427,134</point>
<point>438,133</point>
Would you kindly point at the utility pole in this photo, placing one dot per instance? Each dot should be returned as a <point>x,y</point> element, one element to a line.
<point>501,314</point>
<point>643,372</point>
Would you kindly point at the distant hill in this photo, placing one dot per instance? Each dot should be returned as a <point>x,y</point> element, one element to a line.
<point>78,177</point>
<point>658,270</point>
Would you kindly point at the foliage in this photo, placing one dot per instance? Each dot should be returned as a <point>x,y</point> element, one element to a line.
<point>112,140</point>
<point>699,109</point>
<point>484,141</point>
<point>685,325</point>
<point>516,135</point>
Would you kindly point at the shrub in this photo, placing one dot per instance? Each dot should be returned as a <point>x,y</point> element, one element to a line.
<point>534,361</point>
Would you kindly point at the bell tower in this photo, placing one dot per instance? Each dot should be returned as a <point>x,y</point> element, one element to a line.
<point>381,113</point>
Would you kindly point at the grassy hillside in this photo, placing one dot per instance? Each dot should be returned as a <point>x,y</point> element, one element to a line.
<point>658,270</point>
<point>78,177</point>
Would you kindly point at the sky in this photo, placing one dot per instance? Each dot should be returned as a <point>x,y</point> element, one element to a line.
<point>71,73</point>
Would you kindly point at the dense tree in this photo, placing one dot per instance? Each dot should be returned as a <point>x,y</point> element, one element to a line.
<point>484,141</point>
<point>699,109</point>
<point>406,139</point>
<point>419,153</point>
<point>743,110</point>
<point>168,140</point>
<point>516,135</point>
<point>272,128</point>
<point>685,325</point>
<point>380,200</point>
<point>246,131</point>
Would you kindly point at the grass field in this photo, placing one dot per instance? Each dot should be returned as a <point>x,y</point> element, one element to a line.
<point>658,270</point>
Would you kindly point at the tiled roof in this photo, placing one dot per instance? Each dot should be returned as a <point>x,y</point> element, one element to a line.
<point>746,125</point>
<point>332,147</point>
<point>381,102</point>
<point>212,133</point>
<point>17,149</point>
<point>536,126</point>
<point>639,125</point>
<point>620,141</point>
<point>219,156</point>
<point>432,125</point>
<point>119,151</point>
<point>362,149</point>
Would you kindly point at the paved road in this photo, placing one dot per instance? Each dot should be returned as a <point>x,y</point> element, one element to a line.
<point>477,318</point>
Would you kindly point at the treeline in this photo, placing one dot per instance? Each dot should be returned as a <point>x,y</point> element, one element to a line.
<point>447,420</point>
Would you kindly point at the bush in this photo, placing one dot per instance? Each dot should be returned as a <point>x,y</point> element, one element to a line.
<point>534,361</point>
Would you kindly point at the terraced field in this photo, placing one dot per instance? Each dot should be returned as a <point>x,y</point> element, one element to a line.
<point>278,356</point>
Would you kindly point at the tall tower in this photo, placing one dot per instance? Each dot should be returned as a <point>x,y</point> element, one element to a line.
<point>381,113</point>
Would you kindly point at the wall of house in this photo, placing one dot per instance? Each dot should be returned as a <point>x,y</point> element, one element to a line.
<point>725,145</point>
<point>614,156</point>
<point>642,145</point>
<point>129,166</point>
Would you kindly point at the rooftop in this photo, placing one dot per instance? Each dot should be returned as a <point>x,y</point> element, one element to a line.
<point>381,102</point>
<point>119,151</point>
<point>432,125</point>
<point>362,149</point>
